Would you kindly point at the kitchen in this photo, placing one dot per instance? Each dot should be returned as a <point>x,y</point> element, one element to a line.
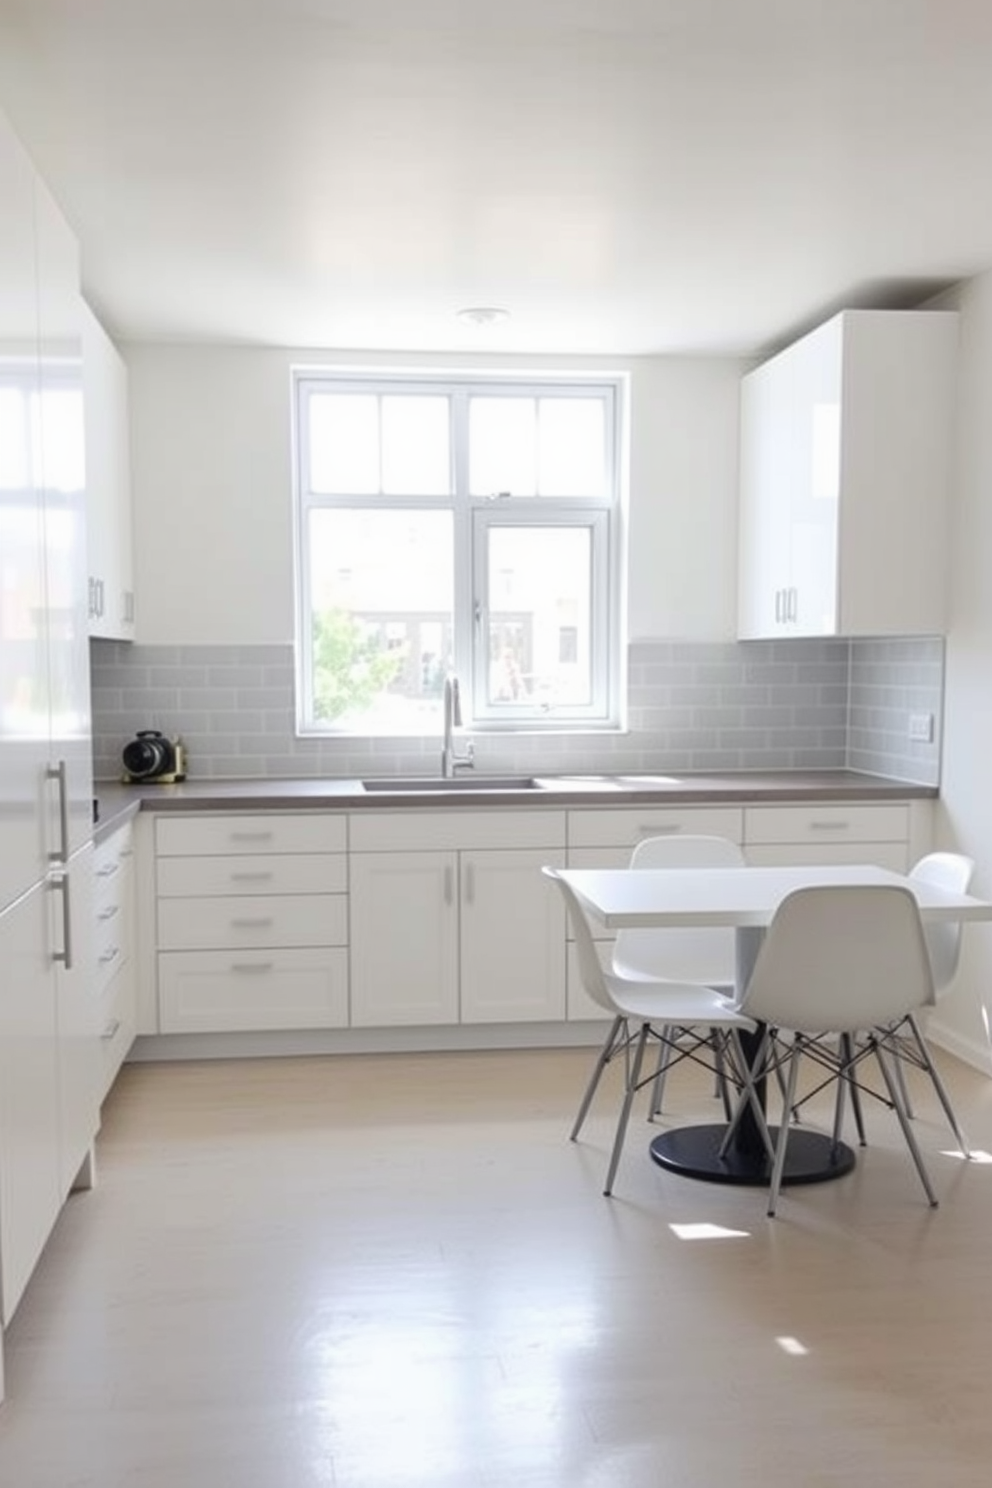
<point>205,577</point>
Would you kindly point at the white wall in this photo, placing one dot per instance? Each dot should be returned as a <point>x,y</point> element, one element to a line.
<point>965,810</point>
<point>213,511</point>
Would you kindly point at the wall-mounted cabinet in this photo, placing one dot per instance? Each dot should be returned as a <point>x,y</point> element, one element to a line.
<point>845,456</point>
<point>108,485</point>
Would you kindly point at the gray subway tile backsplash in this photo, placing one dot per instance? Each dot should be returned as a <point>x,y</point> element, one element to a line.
<point>710,707</point>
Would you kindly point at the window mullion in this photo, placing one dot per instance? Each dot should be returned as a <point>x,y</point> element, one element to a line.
<point>465,626</point>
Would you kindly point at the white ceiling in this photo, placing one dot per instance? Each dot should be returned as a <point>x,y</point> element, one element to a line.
<point>626,176</point>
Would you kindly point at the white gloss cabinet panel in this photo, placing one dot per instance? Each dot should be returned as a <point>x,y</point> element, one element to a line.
<point>30,1187</point>
<point>108,485</point>
<point>116,967</point>
<point>71,933</point>
<point>846,442</point>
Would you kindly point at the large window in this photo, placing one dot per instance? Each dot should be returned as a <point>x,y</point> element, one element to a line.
<point>456,526</point>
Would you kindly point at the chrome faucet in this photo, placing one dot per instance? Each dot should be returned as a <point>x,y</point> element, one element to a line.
<point>451,760</point>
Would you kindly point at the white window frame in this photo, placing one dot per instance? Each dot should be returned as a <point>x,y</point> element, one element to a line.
<point>473,519</point>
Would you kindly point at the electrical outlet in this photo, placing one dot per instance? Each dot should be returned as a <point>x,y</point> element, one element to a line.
<point>921,727</point>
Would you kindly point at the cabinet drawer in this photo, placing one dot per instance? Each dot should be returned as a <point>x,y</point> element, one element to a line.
<point>828,823</point>
<point>232,922</point>
<point>424,831</point>
<point>892,855</point>
<point>217,991</point>
<point>626,826</point>
<point>263,832</point>
<point>288,873</point>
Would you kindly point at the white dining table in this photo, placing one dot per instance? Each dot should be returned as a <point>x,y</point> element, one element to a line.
<point>746,900</point>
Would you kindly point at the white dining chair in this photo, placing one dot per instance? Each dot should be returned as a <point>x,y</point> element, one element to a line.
<point>952,871</point>
<point>837,961</point>
<point>704,957</point>
<point>643,1008</point>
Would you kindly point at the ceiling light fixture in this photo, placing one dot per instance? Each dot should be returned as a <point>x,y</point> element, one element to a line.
<point>483,315</point>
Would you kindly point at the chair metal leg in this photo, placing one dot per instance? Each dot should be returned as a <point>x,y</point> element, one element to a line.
<point>903,1087</point>
<point>664,1060</point>
<point>892,1086</point>
<point>783,1131</point>
<point>633,1080</point>
<point>849,1085</point>
<point>938,1085</point>
<point>606,1053</point>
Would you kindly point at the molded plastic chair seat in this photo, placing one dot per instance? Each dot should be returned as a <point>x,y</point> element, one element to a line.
<point>837,961</point>
<point>680,1017</point>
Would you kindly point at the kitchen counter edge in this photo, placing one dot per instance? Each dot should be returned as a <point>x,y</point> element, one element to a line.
<point>120,803</point>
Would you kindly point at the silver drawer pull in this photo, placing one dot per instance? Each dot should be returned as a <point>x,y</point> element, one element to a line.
<point>108,870</point>
<point>111,1030</point>
<point>247,967</point>
<point>829,826</point>
<point>652,829</point>
<point>110,954</point>
<point>264,836</point>
<point>255,922</point>
<point>259,876</point>
<point>109,912</point>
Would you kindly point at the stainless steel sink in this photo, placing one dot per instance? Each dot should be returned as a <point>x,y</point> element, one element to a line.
<point>402,785</point>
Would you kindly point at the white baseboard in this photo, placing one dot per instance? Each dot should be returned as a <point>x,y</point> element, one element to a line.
<point>975,1052</point>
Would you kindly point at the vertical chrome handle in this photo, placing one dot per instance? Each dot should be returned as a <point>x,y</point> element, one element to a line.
<point>778,606</point>
<point>449,885</point>
<point>60,885</point>
<point>58,772</point>
<point>469,883</point>
<point>793,613</point>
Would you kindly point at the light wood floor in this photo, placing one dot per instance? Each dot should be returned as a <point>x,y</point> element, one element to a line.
<point>374,1271</point>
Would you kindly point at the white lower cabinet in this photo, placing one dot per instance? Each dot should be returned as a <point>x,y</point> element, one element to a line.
<point>116,966</point>
<point>451,920</point>
<point>251,922</point>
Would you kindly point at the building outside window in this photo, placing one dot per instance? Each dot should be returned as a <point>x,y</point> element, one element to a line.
<point>456,525</point>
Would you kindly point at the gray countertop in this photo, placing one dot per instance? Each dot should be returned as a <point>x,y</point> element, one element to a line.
<point>119,802</point>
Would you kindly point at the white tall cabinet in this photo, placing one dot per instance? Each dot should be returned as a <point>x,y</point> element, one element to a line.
<point>49,1049</point>
<point>845,457</point>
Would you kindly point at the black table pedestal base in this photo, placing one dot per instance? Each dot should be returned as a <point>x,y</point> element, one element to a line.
<point>694,1151</point>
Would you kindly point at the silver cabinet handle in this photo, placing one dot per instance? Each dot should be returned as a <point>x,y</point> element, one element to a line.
<point>449,885</point>
<point>778,606</point>
<point>58,772</point>
<point>108,870</point>
<point>60,885</point>
<point>110,955</point>
<point>829,826</point>
<point>469,881</point>
<point>256,877</point>
<point>248,968</point>
<point>660,829</point>
<point>108,913</point>
<point>793,610</point>
<point>111,1029</point>
<point>259,836</point>
<point>249,922</point>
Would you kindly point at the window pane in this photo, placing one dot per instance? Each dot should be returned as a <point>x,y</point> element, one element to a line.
<point>416,447</point>
<point>572,445</point>
<point>540,612</point>
<point>381,586</point>
<point>344,444</point>
<point>502,445</point>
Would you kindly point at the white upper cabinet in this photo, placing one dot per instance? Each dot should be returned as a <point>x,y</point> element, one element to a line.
<point>845,458</point>
<point>108,485</point>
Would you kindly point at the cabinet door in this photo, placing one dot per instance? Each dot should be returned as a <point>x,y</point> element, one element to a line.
<point>61,442</point>
<point>765,492</point>
<point>404,938</point>
<point>512,938</point>
<point>78,1005</point>
<point>23,622</point>
<point>814,493</point>
<point>29,1093</point>
<point>108,484</point>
